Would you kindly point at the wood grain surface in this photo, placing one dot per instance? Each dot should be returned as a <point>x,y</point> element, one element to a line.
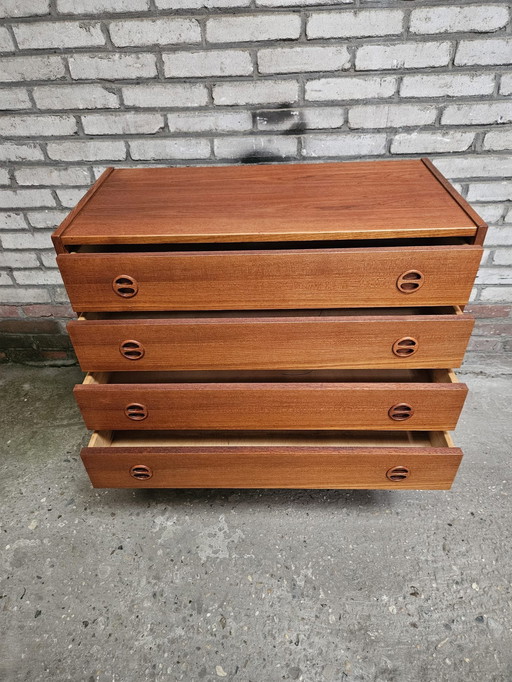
<point>356,200</point>
<point>271,342</point>
<point>285,406</point>
<point>303,463</point>
<point>259,279</point>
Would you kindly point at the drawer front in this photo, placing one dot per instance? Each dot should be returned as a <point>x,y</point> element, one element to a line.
<point>271,406</point>
<point>271,343</point>
<point>272,467</point>
<point>271,279</point>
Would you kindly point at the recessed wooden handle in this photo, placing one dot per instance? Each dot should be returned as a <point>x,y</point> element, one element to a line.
<point>410,281</point>
<point>136,412</point>
<point>141,472</point>
<point>405,347</point>
<point>132,350</point>
<point>125,286</point>
<point>398,473</point>
<point>400,412</point>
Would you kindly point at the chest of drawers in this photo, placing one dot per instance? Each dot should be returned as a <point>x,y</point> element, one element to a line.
<point>280,326</point>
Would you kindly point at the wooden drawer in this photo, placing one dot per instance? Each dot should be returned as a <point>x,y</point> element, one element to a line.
<point>271,278</point>
<point>403,460</point>
<point>413,400</point>
<point>338,339</point>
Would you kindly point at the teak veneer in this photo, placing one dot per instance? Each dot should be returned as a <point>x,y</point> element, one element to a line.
<point>277,326</point>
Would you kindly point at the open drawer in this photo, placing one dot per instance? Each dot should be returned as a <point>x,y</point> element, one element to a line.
<point>270,276</point>
<point>338,459</point>
<point>408,399</point>
<point>373,338</point>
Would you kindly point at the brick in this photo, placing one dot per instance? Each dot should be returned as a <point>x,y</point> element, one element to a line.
<point>506,84</point>
<point>482,52</point>
<point>165,95</point>
<point>508,217</point>
<point>499,236</point>
<point>125,123</point>
<point>53,311</point>
<point>300,3</point>
<point>179,148</point>
<point>391,115</point>
<point>14,259</point>
<point>24,8</point>
<point>70,197</point>
<point>5,280</point>
<point>402,56</point>
<point>489,311</point>
<point>491,213</point>
<point>207,63</point>
<point>46,219</point>
<point>490,191</point>
<point>25,295</point>
<point>477,344</point>
<point>345,144</point>
<point>497,294</point>
<point>207,121</point>
<point>494,276</point>
<point>60,295</point>
<point>503,257</point>
<point>161,31</point>
<point>201,4</point>
<point>245,29</point>
<point>29,327</point>
<point>112,66</point>
<point>52,175</point>
<point>9,311</point>
<point>37,125</point>
<point>255,147</point>
<point>42,67</point>
<point>353,88</point>
<point>498,139</point>
<point>6,44</point>
<point>12,221</point>
<point>51,35</point>
<point>25,240</point>
<point>426,142</point>
<point>14,98</point>
<point>478,113</point>
<point>88,150</point>
<point>75,97</point>
<point>359,24</point>
<point>256,92</point>
<point>459,19</point>
<point>447,85</point>
<point>19,198</point>
<point>291,59</point>
<point>37,277</point>
<point>475,166</point>
<point>299,119</point>
<point>28,151</point>
<point>101,6</point>
<point>4,177</point>
<point>48,259</point>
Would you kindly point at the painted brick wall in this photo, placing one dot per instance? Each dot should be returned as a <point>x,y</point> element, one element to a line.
<point>90,83</point>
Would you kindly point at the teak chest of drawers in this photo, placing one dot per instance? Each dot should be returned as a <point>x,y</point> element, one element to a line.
<point>275,326</point>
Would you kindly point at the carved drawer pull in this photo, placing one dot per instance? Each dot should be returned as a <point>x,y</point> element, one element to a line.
<point>398,473</point>
<point>125,286</point>
<point>132,350</point>
<point>400,412</point>
<point>405,347</point>
<point>141,472</point>
<point>410,281</point>
<point>136,411</point>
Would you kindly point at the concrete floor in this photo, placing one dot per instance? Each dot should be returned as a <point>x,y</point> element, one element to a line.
<point>260,586</point>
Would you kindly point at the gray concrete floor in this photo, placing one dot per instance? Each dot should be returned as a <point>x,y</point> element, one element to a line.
<point>253,586</point>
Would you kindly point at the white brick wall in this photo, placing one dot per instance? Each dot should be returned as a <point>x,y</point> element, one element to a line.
<point>90,83</point>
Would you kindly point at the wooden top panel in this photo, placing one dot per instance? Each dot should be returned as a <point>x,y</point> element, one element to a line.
<point>358,200</point>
